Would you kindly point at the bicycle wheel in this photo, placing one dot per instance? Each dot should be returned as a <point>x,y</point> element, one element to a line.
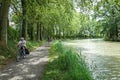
<point>18,56</point>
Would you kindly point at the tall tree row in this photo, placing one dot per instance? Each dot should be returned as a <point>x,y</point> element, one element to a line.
<point>34,19</point>
<point>105,13</point>
<point>43,19</point>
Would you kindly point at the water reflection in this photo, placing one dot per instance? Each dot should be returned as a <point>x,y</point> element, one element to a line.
<point>103,57</point>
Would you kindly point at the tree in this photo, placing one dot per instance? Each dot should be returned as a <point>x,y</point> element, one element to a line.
<point>4,9</point>
<point>24,21</point>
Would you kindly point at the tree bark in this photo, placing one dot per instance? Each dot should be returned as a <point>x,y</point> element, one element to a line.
<point>24,21</point>
<point>63,33</point>
<point>4,9</point>
<point>44,32</point>
<point>59,33</point>
<point>33,31</point>
<point>40,29</point>
<point>38,32</point>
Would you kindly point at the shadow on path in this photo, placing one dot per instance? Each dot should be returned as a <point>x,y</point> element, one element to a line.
<point>29,68</point>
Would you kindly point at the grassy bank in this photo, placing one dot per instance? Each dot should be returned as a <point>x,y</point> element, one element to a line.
<point>65,64</point>
<point>9,53</point>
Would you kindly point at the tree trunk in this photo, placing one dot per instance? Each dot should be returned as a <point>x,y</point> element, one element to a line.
<point>59,33</point>
<point>43,32</point>
<point>24,21</point>
<point>4,9</point>
<point>55,31</point>
<point>63,33</point>
<point>38,31</point>
<point>32,32</point>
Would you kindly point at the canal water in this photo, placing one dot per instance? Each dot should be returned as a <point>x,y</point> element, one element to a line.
<point>102,57</point>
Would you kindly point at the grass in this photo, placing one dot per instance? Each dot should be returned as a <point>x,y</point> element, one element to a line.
<point>9,53</point>
<point>65,64</point>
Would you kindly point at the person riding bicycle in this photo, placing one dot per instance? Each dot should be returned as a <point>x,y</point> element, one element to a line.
<point>22,45</point>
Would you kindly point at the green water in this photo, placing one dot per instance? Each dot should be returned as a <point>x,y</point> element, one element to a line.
<point>102,57</point>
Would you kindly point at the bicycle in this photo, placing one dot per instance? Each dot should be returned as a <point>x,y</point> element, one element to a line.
<point>20,54</point>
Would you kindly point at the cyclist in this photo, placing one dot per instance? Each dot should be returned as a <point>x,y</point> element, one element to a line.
<point>22,46</point>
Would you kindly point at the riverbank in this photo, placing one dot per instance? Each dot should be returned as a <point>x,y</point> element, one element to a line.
<point>65,64</point>
<point>103,57</point>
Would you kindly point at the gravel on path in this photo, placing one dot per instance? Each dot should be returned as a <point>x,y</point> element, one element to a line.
<point>29,68</point>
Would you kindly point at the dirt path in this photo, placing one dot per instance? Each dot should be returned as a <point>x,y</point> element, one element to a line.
<point>29,68</point>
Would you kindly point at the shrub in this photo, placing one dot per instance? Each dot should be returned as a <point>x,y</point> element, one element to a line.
<point>69,65</point>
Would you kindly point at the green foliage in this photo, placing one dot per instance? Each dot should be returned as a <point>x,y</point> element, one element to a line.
<point>34,44</point>
<point>108,13</point>
<point>13,34</point>
<point>58,18</point>
<point>105,18</point>
<point>66,64</point>
<point>9,51</point>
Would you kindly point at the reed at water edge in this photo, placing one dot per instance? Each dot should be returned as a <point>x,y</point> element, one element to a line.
<point>65,64</point>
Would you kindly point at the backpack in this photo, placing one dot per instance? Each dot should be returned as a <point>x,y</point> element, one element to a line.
<point>27,51</point>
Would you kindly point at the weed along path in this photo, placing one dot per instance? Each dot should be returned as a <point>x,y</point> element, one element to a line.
<point>103,57</point>
<point>29,68</point>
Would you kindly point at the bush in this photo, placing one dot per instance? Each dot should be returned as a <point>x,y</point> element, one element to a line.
<point>68,65</point>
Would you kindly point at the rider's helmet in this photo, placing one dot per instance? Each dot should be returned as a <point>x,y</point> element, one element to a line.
<point>22,38</point>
